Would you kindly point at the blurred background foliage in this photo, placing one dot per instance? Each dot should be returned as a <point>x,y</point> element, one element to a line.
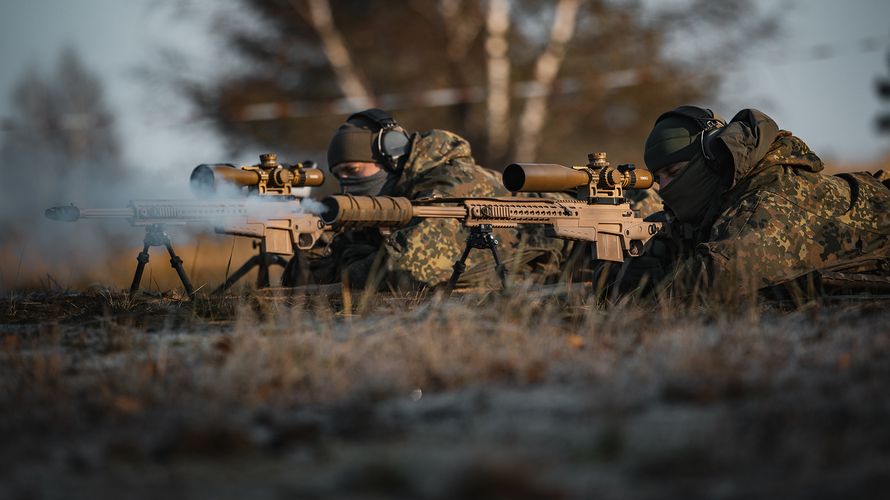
<point>583,75</point>
<point>522,80</point>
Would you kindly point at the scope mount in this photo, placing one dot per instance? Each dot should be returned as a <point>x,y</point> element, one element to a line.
<point>604,184</point>
<point>276,178</point>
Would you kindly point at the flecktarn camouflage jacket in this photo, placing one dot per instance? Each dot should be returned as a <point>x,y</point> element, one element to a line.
<point>783,217</point>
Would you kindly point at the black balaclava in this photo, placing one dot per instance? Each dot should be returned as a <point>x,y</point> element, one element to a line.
<point>372,185</point>
<point>354,142</point>
<point>695,190</point>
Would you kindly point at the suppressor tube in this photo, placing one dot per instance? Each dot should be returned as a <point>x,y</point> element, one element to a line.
<point>362,211</point>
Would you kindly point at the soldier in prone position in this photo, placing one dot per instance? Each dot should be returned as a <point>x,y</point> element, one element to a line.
<point>746,200</point>
<point>370,154</point>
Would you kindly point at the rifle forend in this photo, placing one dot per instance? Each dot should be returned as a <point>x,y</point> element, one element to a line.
<point>265,178</point>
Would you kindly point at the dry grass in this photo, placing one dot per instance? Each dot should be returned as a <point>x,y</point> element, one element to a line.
<point>422,396</point>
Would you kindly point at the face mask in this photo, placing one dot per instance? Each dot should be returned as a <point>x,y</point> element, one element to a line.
<point>693,191</point>
<point>372,185</point>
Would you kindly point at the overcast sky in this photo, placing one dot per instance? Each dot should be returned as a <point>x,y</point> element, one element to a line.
<point>817,79</point>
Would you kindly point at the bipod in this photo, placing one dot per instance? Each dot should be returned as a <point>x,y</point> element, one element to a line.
<point>262,259</point>
<point>480,237</point>
<point>156,237</point>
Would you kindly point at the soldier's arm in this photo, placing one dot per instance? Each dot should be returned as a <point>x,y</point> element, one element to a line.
<point>758,249</point>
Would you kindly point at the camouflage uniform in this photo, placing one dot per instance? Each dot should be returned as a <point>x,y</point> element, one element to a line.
<point>440,164</point>
<point>781,218</point>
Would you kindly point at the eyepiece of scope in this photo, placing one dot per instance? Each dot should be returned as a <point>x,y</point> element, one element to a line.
<point>308,176</point>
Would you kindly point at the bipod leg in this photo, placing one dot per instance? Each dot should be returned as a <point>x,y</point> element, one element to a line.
<point>176,262</point>
<point>262,276</point>
<point>238,274</point>
<point>142,259</point>
<point>499,266</point>
<point>460,265</point>
<point>480,237</point>
<point>263,260</point>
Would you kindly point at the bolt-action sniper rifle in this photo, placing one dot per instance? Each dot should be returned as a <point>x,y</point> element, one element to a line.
<point>274,219</point>
<point>599,214</point>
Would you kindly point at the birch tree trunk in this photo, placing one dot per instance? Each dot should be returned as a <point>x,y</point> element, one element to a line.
<point>534,115</point>
<point>498,98</point>
<point>460,31</point>
<point>354,90</point>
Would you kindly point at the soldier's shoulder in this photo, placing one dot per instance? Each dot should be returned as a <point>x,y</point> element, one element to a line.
<point>789,149</point>
<point>438,142</point>
<point>438,153</point>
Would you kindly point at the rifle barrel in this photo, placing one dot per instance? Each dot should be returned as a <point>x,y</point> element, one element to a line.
<point>440,212</point>
<point>106,213</point>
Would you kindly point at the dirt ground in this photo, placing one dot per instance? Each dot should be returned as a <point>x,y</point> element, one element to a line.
<point>544,393</point>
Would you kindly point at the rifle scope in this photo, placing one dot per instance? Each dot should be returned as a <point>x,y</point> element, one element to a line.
<point>549,177</point>
<point>268,177</point>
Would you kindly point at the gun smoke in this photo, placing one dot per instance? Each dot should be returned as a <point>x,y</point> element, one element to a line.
<point>310,206</point>
<point>36,250</point>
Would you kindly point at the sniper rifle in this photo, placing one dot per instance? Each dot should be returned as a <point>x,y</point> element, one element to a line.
<point>272,215</point>
<point>599,213</point>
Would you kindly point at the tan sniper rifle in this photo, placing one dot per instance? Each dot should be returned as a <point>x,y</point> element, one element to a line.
<point>274,218</point>
<point>599,214</point>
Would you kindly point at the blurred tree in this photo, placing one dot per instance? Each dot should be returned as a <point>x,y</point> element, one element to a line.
<point>544,80</point>
<point>59,145</point>
<point>62,119</point>
<point>883,88</point>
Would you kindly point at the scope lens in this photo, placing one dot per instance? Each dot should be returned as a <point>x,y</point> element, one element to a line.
<point>514,177</point>
<point>202,181</point>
